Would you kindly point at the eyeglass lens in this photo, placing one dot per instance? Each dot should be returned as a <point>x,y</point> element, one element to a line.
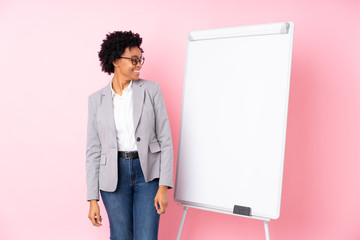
<point>135,60</point>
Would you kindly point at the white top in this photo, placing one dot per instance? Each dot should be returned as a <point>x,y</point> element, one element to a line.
<point>123,115</point>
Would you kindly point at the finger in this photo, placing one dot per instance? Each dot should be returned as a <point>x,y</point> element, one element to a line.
<point>98,222</point>
<point>156,204</point>
<point>162,208</point>
<point>98,219</point>
<point>93,220</point>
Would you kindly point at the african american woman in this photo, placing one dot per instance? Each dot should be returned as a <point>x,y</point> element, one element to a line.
<point>129,152</point>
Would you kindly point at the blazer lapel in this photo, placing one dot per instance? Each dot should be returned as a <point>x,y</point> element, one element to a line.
<point>107,107</point>
<point>138,98</point>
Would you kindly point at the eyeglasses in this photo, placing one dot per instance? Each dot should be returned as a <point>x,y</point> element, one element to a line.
<point>135,60</point>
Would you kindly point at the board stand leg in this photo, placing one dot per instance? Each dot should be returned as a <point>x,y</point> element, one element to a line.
<point>186,207</point>
<point>266,225</point>
<point>182,223</point>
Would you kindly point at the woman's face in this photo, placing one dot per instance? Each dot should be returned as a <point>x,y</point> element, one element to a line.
<point>124,67</point>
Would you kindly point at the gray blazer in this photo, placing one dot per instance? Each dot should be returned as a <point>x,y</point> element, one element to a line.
<point>152,133</point>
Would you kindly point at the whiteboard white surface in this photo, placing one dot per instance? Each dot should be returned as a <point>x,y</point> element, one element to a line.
<point>234,114</point>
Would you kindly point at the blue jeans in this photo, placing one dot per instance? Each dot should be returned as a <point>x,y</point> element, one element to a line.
<point>131,210</point>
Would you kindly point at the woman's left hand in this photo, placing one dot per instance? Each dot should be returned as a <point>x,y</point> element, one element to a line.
<point>161,199</point>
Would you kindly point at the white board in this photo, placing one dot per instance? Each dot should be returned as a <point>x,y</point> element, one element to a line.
<point>234,114</point>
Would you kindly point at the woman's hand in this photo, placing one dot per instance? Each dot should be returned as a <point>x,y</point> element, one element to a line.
<point>161,199</point>
<point>94,213</point>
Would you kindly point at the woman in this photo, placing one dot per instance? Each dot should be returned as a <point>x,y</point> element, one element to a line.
<point>129,153</point>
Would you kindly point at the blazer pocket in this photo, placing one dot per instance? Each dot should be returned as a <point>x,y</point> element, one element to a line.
<point>103,159</point>
<point>154,147</point>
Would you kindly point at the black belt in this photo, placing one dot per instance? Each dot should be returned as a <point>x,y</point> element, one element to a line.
<point>128,155</point>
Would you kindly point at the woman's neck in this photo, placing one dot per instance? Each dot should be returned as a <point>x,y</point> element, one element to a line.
<point>119,84</point>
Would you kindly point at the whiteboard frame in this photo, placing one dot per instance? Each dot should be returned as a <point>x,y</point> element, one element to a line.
<point>245,31</point>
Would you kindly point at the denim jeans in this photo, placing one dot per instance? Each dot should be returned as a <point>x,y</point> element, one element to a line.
<point>131,210</point>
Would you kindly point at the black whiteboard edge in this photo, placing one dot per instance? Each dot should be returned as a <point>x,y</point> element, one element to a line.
<point>220,210</point>
<point>241,31</point>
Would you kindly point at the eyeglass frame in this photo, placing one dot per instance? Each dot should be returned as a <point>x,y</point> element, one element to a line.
<point>137,59</point>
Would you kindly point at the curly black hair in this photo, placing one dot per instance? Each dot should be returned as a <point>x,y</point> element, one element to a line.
<point>113,47</point>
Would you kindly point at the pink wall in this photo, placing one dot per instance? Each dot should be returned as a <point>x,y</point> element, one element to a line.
<point>49,65</point>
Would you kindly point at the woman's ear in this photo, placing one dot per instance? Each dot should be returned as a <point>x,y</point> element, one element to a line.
<point>115,63</point>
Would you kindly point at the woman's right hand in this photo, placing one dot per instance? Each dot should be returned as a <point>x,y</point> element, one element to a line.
<point>94,213</point>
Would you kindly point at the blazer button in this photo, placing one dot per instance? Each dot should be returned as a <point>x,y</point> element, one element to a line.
<point>138,139</point>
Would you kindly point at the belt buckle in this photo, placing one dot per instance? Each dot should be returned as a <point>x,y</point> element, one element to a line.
<point>127,155</point>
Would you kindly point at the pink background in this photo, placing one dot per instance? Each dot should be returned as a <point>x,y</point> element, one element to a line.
<point>49,65</point>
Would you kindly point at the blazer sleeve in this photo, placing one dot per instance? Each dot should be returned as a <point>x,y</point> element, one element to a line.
<point>163,133</point>
<point>93,153</point>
